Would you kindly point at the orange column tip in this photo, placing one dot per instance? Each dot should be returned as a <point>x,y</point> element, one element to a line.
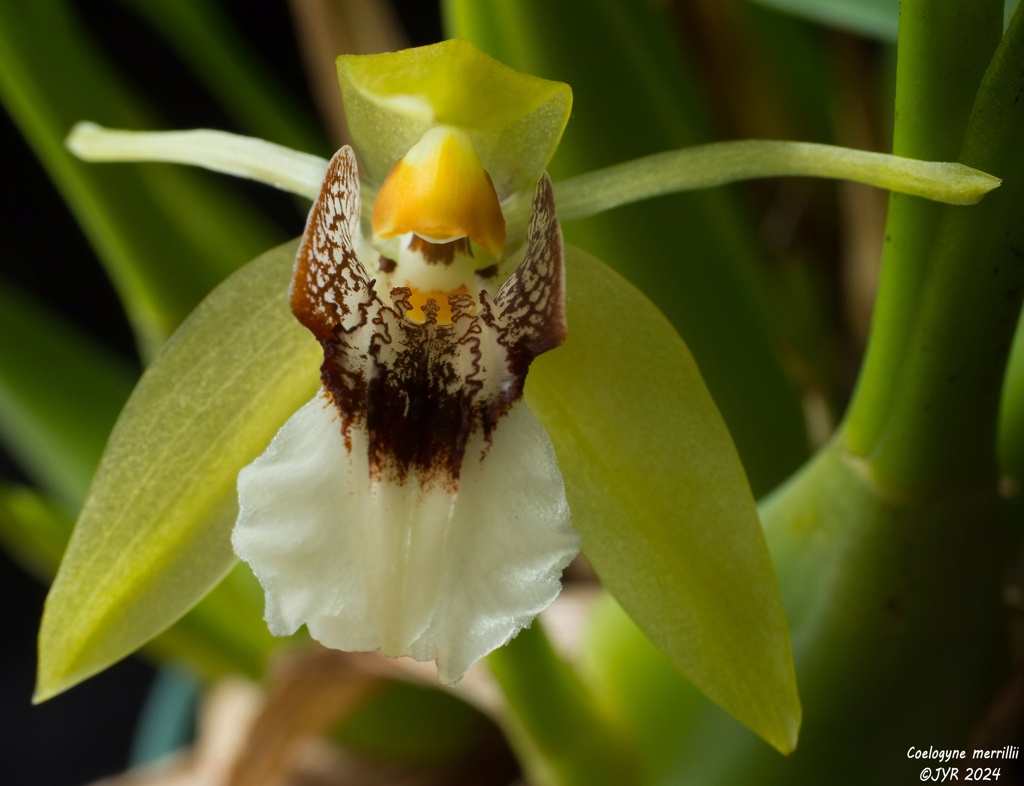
<point>441,192</point>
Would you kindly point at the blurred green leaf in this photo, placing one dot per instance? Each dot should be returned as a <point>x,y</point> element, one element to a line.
<point>872,18</point>
<point>558,730</point>
<point>659,496</point>
<point>166,237</point>
<point>204,37</point>
<point>154,534</point>
<point>224,634</point>
<point>790,78</point>
<point>636,93</point>
<point>408,721</point>
<point>33,530</point>
<point>60,393</point>
<point>640,684</point>
<point>1011,415</point>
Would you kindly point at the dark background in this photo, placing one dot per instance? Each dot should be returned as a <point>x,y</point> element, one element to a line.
<point>87,732</point>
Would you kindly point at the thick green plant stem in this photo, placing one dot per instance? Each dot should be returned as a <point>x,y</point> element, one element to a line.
<point>941,435</point>
<point>944,49</point>
<point>1011,422</point>
<point>872,586</point>
<point>553,721</point>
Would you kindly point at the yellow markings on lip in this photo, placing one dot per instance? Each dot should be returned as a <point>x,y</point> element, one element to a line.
<point>441,191</point>
<point>418,299</point>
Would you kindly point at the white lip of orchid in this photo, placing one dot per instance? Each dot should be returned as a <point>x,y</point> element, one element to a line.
<point>415,505</point>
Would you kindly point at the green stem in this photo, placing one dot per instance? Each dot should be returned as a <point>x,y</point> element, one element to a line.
<point>944,48</point>
<point>941,431</point>
<point>554,725</point>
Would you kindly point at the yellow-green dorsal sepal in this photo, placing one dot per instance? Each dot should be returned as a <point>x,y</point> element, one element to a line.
<point>514,120</point>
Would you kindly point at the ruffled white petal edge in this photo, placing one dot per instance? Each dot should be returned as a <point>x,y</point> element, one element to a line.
<point>408,569</point>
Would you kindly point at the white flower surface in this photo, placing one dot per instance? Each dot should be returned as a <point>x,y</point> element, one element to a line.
<point>415,505</point>
<point>401,568</point>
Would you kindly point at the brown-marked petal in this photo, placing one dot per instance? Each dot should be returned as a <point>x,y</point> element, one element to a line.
<point>419,387</point>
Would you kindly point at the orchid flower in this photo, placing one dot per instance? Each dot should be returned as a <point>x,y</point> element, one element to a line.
<point>415,504</point>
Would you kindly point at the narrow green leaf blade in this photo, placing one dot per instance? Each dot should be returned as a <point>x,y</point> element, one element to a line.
<point>154,534</point>
<point>555,726</point>
<point>659,495</point>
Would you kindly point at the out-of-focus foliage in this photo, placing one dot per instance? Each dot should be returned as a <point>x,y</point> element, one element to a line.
<point>896,528</point>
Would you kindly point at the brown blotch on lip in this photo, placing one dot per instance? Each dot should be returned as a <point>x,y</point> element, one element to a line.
<point>440,253</point>
<point>422,390</point>
<point>418,413</point>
